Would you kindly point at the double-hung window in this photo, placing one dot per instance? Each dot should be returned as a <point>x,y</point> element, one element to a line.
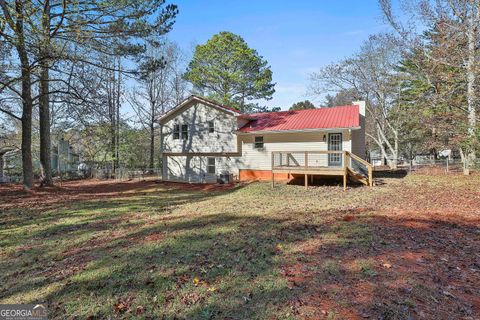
<point>211,126</point>
<point>211,165</point>
<point>259,142</point>
<point>184,131</point>
<point>176,131</point>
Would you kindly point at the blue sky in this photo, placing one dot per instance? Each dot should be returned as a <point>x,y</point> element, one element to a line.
<point>296,37</point>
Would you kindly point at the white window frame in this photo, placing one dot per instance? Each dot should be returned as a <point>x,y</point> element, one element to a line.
<point>211,126</point>
<point>184,133</point>
<point>176,132</point>
<point>255,143</point>
<point>209,165</point>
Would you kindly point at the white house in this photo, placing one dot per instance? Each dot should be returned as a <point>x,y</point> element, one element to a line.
<point>202,140</point>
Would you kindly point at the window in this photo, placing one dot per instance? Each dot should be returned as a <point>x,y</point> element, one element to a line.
<point>211,165</point>
<point>184,131</point>
<point>211,127</point>
<point>176,131</point>
<point>259,142</point>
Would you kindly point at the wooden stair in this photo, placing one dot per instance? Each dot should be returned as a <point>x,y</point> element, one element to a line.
<point>358,177</point>
<point>367,178</point>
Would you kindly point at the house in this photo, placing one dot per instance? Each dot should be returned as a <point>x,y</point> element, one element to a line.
<point>63,160</point>
<point>202,140</point>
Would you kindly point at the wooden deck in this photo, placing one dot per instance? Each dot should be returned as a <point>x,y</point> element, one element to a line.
<point>322,163</point>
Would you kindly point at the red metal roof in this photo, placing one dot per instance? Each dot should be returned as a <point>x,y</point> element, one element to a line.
<point>323,118</point>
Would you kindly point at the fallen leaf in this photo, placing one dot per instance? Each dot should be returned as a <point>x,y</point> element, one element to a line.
<point>196,281</point>
<point>140,310</point>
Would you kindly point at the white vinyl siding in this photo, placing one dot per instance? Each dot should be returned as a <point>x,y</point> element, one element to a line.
<point>261,159</point>
<point>198,117</point>
<point>195,169</point>
<point>358,140</point>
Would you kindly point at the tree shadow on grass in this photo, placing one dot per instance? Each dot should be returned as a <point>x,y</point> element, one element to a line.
<point>234,258</point>
<point>381,267</point>
<point>227,264</point>
<point>34,243</point>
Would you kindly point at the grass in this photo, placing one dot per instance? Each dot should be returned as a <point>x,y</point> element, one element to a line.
<point>168,252</point>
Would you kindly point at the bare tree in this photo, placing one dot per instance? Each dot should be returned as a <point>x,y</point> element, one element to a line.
<point>371,73</point>
<point>160,87</point>
<point>460,19</point>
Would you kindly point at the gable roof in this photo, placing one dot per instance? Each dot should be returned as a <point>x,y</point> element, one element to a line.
<point>298,120</point>
<point>198,99</point>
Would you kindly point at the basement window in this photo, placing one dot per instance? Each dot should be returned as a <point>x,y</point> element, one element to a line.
<point>176,132</point>
<point>184,131</point>
<point>211,165</point>
<point>211,127</point>
<point>259,142</point>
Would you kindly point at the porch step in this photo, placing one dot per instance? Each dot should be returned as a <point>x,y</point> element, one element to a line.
<point>357,176</point>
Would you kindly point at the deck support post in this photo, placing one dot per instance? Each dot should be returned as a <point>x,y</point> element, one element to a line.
<point>370,176</point>
<point>273,164</point>
<point>306,181</point>
<point>345,171</point>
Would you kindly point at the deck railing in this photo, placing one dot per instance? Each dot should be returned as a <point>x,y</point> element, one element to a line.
<point>308,159</point>
<point>344,162</point>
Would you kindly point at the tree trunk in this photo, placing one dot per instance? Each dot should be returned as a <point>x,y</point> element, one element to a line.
<point>466,170</point>
<point>27,101</point>
<point>471,79</point>
<point>117,112</point>
<point>44,113</point>
<point>27,134</point>
<point>2,163</point>
<point>395,151</point>
<point>152,144</point>
<point>44,102</point>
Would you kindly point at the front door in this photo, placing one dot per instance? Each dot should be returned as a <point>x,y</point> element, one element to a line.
<point>334,144</point>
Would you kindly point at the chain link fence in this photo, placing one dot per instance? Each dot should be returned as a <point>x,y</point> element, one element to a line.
<point>425,165</point>
<point>125,173</point>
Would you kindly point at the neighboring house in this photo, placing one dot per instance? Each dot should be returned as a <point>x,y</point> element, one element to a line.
<point>10,163</point>
<point>63,158</point>
<point>4,153</point>
<point>202,140</point>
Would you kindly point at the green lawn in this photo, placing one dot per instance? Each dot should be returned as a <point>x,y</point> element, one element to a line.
<point>251,252</point>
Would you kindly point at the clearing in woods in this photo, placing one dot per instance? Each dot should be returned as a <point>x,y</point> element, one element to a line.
<point>407,248</point>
